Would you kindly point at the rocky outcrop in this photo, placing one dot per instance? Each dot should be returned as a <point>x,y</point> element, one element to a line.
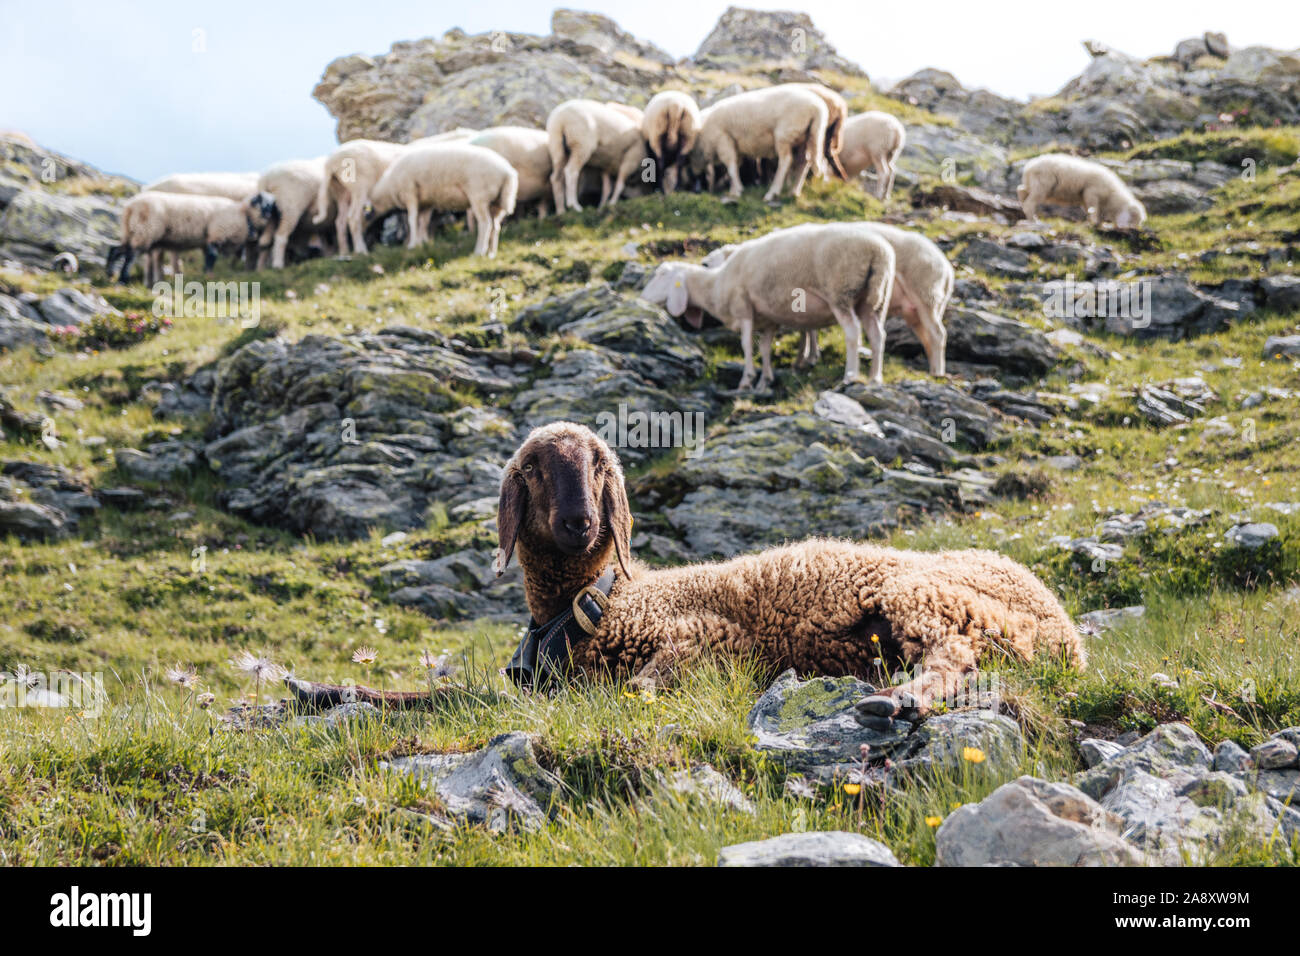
<point>51,204</point>
<point>747,39</point>
<point>1119,100</point>
<point>428,86</point>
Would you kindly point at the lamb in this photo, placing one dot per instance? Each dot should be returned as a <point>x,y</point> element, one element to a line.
<point>837,117</point>
<point>604,136</point>
<point>923,284</point>
<point>799,278</point>
<point>1071,181</point>
<point>294,186</point>
<point>670,126</point>
<point>873,139</point>
<point>820,606</point>
<point>450,177</point>
<point>781,122</point>
<point>177,221</point>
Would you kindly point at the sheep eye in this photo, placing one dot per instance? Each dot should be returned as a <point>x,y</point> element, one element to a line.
<point>528,467</point>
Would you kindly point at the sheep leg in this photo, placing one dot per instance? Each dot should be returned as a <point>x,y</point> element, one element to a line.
<point>341,224</point>
<point>930,330</point>
<point>765,350</point>
<point>483,216</point>
<point>357,224</point>
<point>558,176</point>
<point>426,222</point>
<point>728,157</point>
<point>746,324</point>
<point>881,165</point>
<point>1028,202</point>
<point>279,245</point>
<point>784,158</point>
<point>572,172</point>
<point>604,190</point>
<point>891,171</point>
<point>801,162</point>
<point>496,231</point>
<point>810,353</point>
<point>1092,201</point>
<point>670,179</point>
<point>629,166</point>
<point>128,257</point>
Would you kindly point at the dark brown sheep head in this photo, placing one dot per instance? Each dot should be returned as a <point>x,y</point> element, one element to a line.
<point>563,503</point>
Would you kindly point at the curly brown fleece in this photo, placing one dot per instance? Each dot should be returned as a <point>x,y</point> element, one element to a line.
<point>820,606</point>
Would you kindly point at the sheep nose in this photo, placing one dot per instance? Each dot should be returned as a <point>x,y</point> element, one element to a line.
<point>578,524</point>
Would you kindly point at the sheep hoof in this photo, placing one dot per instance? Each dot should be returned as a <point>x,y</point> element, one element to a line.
<point>877,705</point>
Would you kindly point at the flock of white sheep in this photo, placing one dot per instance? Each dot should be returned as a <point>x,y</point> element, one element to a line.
<point>802,278</point>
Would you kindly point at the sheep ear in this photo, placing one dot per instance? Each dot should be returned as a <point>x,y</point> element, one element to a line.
<point>616,513</point>
<point>510,515</point>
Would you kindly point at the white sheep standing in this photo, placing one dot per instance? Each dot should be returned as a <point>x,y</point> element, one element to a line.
<point>803,277</point>
<point>236,186</point>
<point>351,172</point>
<point>604,136</point>
<point>293,185</point>
<point>670,126</point>
<point>449,177</point>
<point>873,139</point>
<point>781,122</point>
<point>528,151</point>
<point>178,222</point>
<point>837,116</point>
<point>1071,181</point>
<point>923,284</point>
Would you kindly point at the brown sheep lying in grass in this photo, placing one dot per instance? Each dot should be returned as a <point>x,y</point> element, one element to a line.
<point>819,606</point>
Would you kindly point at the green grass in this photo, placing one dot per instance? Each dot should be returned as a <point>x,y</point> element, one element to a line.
<point>158,780</point>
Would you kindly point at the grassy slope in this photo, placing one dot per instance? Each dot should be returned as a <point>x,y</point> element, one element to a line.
<point>154,785</point>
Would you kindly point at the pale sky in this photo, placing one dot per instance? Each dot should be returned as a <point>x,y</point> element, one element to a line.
<point>122,86</point>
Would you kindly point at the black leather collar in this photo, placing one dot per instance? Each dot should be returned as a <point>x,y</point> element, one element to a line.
<point>542,657</point>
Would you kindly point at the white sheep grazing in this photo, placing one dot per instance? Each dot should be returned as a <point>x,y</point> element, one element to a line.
<point>351,172</point>
<point>837,115</point>
<point>779,122</point>
<point>873,139</point>
<point>178,222</point>
<point>294,185</point>
<point>1071,181</point>
<point>449,177</point>
<point>236,186</point>
<point>586,133</point>
<point>803,277</point>
<point>528,151</point>
<point>670,126</point>
<point>923,284</point>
